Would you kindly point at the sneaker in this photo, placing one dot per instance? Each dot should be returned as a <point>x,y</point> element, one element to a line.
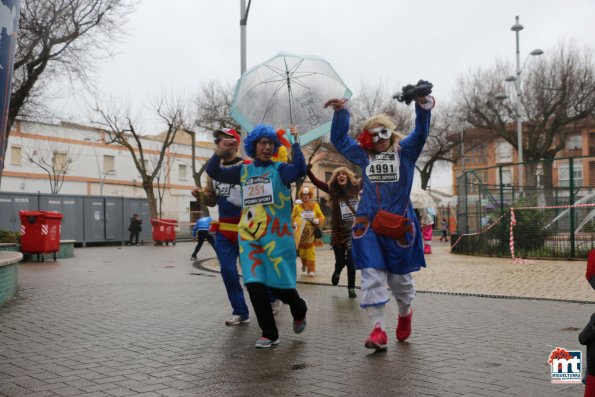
<point>311,274</point>
<point>299,326</point>
<point>352,293</point>
<point>404,327</point>
<point>335,278</point>
<point>193,258</point>
<point>236,320</point>
<point>277,306</point>
<point>263,343</point>
<point>377,339</point>
<point>304,268</point>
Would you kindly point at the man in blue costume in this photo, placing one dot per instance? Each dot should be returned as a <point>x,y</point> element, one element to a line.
<point>267,248</point>
<point>388,167</point>
<point>228,198</point>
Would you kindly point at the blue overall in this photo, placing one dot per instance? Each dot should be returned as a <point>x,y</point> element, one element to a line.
<point>369,249</point>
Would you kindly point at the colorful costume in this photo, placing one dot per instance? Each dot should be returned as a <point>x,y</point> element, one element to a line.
<point>427,228</point>
<point>306,217</point>
<point>387,180</point>
<point>267,250</point>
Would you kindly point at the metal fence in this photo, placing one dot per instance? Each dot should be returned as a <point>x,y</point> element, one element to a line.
<point>554,209</point>
<point>87,219</point>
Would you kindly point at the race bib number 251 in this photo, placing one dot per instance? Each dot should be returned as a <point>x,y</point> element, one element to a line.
<point>384,168</point>
<point>257,191</point>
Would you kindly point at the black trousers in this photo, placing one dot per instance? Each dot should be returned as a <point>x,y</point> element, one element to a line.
<point>133,234</point>
<point>343,258</point>
<point>261,303</point>
<point>202,236</point>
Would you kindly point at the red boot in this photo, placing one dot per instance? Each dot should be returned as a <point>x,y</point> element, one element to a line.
<point>404,327</point>
<point>377,339</point>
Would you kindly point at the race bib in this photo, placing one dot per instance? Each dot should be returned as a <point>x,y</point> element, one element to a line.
<point>228,191</point>
<point>384,168</point>
<point>346,213</point>
<point>308,215</point>
<point>257,190</point>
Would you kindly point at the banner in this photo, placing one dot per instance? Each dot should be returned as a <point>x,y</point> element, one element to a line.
<point>9,23</point>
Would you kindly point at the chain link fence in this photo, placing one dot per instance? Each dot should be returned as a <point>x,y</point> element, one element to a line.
<point>554,209</point>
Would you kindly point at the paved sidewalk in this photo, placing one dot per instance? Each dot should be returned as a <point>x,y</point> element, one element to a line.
<point>143,321</point>
<point>472,275</point>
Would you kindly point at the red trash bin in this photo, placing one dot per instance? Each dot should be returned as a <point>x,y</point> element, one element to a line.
<point>40,232</point>
<point>164,231</point>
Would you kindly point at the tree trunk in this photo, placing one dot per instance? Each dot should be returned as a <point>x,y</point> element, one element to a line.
<point>425,179</point>
<point>548,185</point>
<point>151,199</point>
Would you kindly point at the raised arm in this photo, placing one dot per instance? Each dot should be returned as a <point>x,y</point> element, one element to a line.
<point>223,174</point>
<point>339,137</point>
<point>290,172</point>
<point>317,182</point>
<point>414,143</point>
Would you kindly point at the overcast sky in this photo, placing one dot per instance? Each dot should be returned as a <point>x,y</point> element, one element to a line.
<point>176,45</point>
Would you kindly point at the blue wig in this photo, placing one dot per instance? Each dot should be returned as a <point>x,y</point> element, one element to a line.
<point>259,132</point>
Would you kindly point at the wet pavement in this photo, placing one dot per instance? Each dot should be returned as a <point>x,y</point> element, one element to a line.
<point>144,321</point>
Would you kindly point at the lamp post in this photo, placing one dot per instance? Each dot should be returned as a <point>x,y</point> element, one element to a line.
<point>243,22</point>
<point>516,28</point>
<point>101,176</point>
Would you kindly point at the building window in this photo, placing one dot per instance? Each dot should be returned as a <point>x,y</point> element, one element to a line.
<point>574,142</point>
<point>564,175</point>
<point>182,172</point>
<point>16,155</point>
<point>60,161</point>
<point>109,163</point>
<point>506,177</point>
<point>503,151</point>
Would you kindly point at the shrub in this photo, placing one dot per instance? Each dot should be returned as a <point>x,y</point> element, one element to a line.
<point>9,237</point>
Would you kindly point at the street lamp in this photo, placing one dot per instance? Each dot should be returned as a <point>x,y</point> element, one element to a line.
<point>517,27</point>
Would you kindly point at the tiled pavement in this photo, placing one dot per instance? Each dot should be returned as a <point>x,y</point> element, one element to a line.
<point>143,321</point>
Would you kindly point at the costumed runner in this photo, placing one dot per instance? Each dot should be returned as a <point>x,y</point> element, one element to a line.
<point>343,190</point>
<point>307,218</point>
<point>228,197</point>
<point>267,249</point>
<point>387,244</point>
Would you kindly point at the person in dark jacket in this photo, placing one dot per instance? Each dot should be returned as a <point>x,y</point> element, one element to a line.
<point>134,229</point>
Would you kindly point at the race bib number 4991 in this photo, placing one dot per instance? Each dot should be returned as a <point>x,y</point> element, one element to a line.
<point>257,190</point>
<point>384,168</point>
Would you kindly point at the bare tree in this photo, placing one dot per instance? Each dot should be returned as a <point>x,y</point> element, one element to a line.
<point>213,106</point>
<point>54,157</point>
<point>57,39</point>
<point>558,92</point>
<point>121,129</point>
<point>374,100</point>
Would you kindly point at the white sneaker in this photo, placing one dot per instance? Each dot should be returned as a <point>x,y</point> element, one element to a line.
<point>236,320</point>
<point>277,306</point>
<point>311,274</point>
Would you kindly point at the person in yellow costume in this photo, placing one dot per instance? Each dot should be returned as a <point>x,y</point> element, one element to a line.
<point>307,217</point>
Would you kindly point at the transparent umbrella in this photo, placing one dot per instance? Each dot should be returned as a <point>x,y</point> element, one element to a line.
<point>288,89</point>
<point>422,199</point>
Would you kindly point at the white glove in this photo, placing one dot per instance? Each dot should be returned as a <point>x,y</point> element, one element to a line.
<point>295,225</point>
<point>316,222</point>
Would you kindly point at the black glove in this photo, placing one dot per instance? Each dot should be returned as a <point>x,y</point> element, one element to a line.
<point>410,92</point>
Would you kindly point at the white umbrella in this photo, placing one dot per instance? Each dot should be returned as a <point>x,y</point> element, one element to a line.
<point>422,199</point>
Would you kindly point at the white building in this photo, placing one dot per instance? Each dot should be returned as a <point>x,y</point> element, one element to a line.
<point>96,167</point>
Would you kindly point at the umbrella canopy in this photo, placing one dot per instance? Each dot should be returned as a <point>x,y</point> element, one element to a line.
<point>288,89</point>
<point>422,199</point>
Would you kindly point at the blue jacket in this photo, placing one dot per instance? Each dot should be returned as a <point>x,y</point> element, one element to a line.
<point>203,223</point>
